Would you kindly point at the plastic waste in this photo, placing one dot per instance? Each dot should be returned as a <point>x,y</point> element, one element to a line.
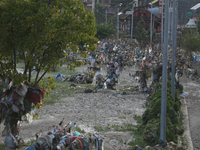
<point>76,133</point>
<point>10,141</point>
<point>184,95</point>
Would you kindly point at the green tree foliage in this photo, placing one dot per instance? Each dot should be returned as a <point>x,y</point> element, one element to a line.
<point>143,36</point>
<point>191,42</point>
<point>37,31</point>
<point>104,31</point>
<point>100,13</point>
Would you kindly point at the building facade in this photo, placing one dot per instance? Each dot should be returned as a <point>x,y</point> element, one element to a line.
<point>183,8</point>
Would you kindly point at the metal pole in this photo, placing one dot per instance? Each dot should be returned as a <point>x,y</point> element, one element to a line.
<point>117,22</point>
<point>151,27</point>
<point>162,28</point>
<point>132,21</point>
<point>106,15</point>
<point>197,18</point>
<point>173,49</point>
<point>164,78</point>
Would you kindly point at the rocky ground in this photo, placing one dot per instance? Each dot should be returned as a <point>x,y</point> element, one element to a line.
<point>100,111</point>
<point>93,111</point>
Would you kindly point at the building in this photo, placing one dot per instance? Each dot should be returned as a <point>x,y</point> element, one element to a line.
<point>90,4</point>
<point>183,8</point>
<point>138,14</point>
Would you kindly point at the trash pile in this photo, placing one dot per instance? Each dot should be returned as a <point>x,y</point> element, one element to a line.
<point>16,102</point>
<point>60,77</point>
<point>65,137</point>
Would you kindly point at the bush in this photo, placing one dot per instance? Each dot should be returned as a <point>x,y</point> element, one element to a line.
<point>149,125</point>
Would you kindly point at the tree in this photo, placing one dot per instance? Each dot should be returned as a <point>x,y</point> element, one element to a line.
<point>191,42</point>
<point>143,35</point>
<point>100,15</point>
<point>37,32</point>
<point>104,31</point>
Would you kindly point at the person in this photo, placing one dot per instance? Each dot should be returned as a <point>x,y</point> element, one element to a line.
<point>92,61</point>
<point>117,71</point>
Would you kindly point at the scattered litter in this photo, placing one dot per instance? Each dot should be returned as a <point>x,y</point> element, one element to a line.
<point>60,77</point>
<point>66,137</point>
<point>184,95</point>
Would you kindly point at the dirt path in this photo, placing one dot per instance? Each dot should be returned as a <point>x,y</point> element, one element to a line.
<point>93,110</point>
<point>192,90</point>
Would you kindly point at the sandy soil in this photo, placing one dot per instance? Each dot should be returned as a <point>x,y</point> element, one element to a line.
<point>93,109</point>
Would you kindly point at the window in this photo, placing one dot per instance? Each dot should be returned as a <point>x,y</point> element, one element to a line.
<point>106,1</point>
<point>100,1</point>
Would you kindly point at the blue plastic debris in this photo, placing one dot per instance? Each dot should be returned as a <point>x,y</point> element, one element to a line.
<point>194,59</point>
<point>153,135</point>
<point>184,95</point>
<point>138,51</point>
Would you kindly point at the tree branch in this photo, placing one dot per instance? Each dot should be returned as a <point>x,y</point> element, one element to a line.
<point>38,71</point>
<point>15,55</point>
<point>42,76</point>
<point>29,76</point>
<point>26,67</point>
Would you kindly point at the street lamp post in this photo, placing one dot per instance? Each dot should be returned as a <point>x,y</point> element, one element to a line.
<point>117,23</point>
<point>162,27</point>
<point>164,79</point>
<point>119,5</point>
<point>133,2</point>
<point>174,47</point>
<point>106,14</point>
<point>151,27</point>
<point>106,7</point>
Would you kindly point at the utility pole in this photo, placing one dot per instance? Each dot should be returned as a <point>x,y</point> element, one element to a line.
<point>164,78</point>
<point>106,7</point>
<point>133,2</point>
<point>170,21</point>
<point>151,27</point>
<point>106,14</point>
<point>174,47</point>
<point>117,23</point>
<point>119,5</point>
<point>162,28</point>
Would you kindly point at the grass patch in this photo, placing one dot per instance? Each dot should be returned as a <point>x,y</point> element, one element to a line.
<point>107,128</point>
<point>79,130</point>
<point>98,128</point>
<point>20,65</point>
<point>124,128</point>
<point>122,117</point>
<point>127,113</point>
<point>2,146</point>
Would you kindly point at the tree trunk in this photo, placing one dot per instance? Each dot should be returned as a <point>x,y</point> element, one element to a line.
<point>29,78</point>
<point>38,71</point>
<point>26,67</point>
<point>15,59</point>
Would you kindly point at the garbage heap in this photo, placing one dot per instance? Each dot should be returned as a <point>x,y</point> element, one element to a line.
<point>16,102</point>
<point>65,137</point>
